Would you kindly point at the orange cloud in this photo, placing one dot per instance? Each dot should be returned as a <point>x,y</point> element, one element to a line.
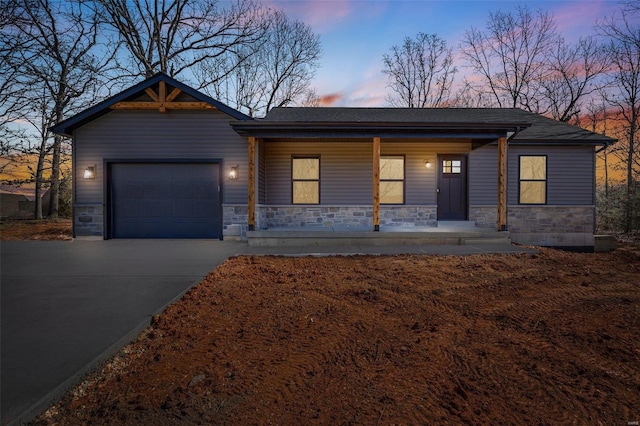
<point>330,99</point>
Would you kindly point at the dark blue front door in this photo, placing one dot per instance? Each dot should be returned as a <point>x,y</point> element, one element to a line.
<point>452,187</point>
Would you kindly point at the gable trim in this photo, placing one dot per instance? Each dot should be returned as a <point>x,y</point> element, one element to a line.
<point>66,127</point>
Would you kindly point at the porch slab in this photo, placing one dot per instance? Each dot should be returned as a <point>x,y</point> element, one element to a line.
<point>297,237</point>
<point>358,250</point>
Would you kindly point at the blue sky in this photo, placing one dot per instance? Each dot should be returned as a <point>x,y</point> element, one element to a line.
<point>356,33</point>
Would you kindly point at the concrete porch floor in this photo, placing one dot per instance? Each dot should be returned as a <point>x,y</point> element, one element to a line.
<point>446,233</point>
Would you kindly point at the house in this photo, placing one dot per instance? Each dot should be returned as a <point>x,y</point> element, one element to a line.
<point>11,203</point>
<point>18,202</point>
<point>162,160</point>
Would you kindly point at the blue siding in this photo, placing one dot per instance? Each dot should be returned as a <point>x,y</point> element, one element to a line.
<point>346,175</point>
<point>150,135</point>
<point>570,174</point>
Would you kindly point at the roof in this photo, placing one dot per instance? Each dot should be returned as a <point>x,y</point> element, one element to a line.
<point>28,192</point>
<point>478,123</point>
<point>66,127</point>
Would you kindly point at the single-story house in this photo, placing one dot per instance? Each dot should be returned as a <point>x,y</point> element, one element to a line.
<point>163,160</point>
<point>18,202</point>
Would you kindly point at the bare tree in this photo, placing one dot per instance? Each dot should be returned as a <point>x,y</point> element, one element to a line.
<point>420,72</point>
<point>10,139</point>
<point>595,120</point>
<point>311,98</point>
<point>511,55</point>
<point>575,73</point>
<point>174,35</point>
<point>623,48</point>
<point>275,71</point>
<point>49,46</point>
<point>468,97</point>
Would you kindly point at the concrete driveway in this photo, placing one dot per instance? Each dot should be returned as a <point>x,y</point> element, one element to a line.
<point>66,305</point>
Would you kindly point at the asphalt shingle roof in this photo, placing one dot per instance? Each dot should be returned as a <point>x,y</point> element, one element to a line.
<point>542,128</point>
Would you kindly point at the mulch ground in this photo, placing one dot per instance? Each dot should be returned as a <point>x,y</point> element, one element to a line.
<point>548,338</point>
<point>56,229</point>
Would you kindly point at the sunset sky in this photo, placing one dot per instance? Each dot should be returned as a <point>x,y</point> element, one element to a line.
<point>356,33</point>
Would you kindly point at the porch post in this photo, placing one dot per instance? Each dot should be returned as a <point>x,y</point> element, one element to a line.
<point>502,184</point>
<point>376,184</point>
<point>251,197</point>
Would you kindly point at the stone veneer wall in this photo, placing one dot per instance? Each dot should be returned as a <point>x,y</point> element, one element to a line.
<point>89,220</point>
<point>542,225</point>
<point>286,216</point>
<point>234,221</point>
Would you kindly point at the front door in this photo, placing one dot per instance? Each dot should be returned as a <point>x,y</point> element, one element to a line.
<point>452,187</point>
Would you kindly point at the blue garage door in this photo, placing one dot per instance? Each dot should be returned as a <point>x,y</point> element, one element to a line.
<point>164,200</point>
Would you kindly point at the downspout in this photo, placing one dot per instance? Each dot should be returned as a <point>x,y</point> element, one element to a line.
<point>503,181</point>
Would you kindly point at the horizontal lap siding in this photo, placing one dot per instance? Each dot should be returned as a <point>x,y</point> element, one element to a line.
<point>346,175</point>
<point>345,171</point>
<point>570,174</point>
<point>421,182</point>
<point>483,176</point>
<point>150,135</point>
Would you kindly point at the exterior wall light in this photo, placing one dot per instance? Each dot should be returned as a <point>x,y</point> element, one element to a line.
<point>427,164</point>
<point>233,174</point>
<point>89,172</point>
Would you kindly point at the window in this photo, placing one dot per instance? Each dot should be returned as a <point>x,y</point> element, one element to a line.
<point>391,180</point>
<point>533,179</point>
<point>305,173</point>
<point>452,167</point>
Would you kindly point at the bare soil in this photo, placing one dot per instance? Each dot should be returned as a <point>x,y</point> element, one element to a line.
<point>548,338</point>
<point>46,229</point>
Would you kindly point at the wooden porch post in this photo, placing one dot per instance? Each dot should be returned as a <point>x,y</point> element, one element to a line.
<point>502,184</point>
<point>251,197</point>
<point>376,184</point>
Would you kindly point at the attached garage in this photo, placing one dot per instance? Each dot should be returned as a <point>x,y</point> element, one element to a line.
<point>158,160</point>
<point>164,200</point>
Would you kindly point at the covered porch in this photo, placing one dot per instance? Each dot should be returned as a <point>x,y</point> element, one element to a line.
<point>349,153</point>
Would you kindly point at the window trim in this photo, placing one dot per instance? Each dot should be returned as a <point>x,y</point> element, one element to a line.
<point>545,180</point>
<point>306,157</point>
<point>403,180</point>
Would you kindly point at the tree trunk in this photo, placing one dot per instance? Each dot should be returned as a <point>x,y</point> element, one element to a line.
<point>39,176</point>
<point>606,174</point>
<point>54,190</point>
<point>630,156</point>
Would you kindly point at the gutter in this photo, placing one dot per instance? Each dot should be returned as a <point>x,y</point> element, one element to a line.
<point>364,129</point>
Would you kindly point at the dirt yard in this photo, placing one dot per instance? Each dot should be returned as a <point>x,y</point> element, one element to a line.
<point>549,338</point>
<point>58,229</point>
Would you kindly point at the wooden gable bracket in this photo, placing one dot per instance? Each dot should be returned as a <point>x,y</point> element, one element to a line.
<point>161,101</point>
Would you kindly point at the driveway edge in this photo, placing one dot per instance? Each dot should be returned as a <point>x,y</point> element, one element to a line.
<point>65,387</point>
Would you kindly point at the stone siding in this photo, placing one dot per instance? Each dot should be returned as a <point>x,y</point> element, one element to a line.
<point>542,225</point>
<point>234,221</point>
<point>483,216</point>
<point>408,216</point>
<point>89,220</point>
<point>288,216</point>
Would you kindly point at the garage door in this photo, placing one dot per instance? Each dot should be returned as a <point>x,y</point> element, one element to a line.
<point>164,200</point>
